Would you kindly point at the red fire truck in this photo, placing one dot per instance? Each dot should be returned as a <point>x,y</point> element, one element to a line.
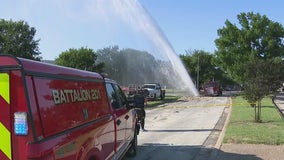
<point>212,89</point>
<point>51,112</point>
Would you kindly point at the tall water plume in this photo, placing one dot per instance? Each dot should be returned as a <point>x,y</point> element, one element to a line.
<point>98,24</point>
<point>134,14</point>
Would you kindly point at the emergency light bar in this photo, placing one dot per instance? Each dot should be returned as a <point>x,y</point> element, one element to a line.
<point>20,123</point>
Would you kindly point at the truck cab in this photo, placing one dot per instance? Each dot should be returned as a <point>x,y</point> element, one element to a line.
<point>154,91</point>
<point>212,89</point>
<point>53,112</point>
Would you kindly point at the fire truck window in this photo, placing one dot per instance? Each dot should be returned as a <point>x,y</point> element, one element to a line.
<point>121,95</point>
<point>112,96</point>
<point>158,86</point>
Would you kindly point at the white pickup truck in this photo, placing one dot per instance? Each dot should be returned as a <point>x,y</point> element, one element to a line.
<point>154,90</point>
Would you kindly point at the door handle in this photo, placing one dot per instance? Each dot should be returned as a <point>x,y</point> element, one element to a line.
<point>126,117</point>
<point>118,122</point>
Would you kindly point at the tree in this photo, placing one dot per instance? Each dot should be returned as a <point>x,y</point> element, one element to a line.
<point>252,55</point>
<point>82,58</point>
<point>201,67</point>
<point>109,56</point>
<point>128,66</point>
<point>263,78</point>
<point>131,66</point>
<point>257,37</point>
<point>17,38</point>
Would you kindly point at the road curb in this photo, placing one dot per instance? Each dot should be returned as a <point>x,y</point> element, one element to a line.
<point>275,102</point>
<point>222,134</point>
<point>213,143</point>
<point>218,144</point>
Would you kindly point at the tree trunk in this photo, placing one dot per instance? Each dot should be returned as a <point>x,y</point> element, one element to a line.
<point>258,114</point>
<point>255,113</point>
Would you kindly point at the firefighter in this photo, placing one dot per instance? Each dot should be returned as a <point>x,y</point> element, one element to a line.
<point>140,102</point>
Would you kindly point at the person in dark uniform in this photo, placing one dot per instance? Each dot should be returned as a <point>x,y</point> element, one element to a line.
<point>140,101</point>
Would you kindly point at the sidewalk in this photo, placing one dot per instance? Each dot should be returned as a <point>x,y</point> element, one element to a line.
<point>279,102</point>
<point>252,151</point>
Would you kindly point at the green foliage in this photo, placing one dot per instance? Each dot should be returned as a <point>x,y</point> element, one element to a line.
<point>130,66</point>
<point>17,38</point>
<point>257,37</point>
<point>203,62</point>
<point>263,77</point>
<point>252,55</point>
<point>82,58</point>
<point>199,61</point>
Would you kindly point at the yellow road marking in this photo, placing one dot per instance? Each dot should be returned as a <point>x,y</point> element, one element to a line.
<point>201,105</point>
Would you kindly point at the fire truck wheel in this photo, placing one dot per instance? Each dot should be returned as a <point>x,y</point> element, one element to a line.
<point>92,158</point>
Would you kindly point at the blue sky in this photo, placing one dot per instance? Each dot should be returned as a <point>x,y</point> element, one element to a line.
<point>193,24</point>
<point>184,24</point>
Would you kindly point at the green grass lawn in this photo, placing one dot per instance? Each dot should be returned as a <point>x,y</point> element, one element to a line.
<point>243,129</point>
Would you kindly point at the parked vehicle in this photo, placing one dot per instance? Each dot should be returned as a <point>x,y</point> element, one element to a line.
<point>154,90</point>
<point>52,112</point>
<point>212,89</point>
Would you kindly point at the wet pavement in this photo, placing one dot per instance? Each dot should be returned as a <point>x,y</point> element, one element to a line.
<point>212,147</point>
<point>181,130</point>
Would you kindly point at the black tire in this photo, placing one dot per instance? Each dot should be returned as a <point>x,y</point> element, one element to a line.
<point>92,158</point>
<point>133,148</point>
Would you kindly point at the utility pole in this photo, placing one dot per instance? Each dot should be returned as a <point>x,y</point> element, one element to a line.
<point>197,83</point>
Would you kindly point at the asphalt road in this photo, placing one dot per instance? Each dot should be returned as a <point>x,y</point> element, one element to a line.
<point>179,130</point>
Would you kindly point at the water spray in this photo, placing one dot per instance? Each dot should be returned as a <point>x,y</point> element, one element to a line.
<point>134,13</point>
